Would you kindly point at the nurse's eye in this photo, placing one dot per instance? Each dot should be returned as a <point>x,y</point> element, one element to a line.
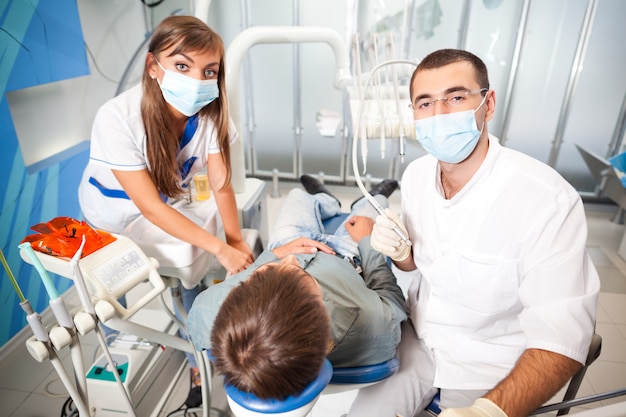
<point>209,73</point>
<point>182,67</point>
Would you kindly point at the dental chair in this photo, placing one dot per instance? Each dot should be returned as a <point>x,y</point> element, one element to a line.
<point>329,381</point>
<point>564,406</point>
<point>609,183</point>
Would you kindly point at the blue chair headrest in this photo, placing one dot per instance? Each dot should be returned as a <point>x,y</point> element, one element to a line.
<point>310,392</point>
<point>365,374</point>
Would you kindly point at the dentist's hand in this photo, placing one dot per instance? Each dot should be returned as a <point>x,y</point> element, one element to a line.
<point>482,407</point>
<point>386,241</point>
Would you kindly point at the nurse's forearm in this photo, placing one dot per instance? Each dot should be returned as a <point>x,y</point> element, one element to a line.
<point>177,225</point>
<point>537,376</point>
<point>227,206</point>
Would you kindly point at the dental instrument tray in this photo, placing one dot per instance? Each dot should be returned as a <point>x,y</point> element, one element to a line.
<point>110,272</point>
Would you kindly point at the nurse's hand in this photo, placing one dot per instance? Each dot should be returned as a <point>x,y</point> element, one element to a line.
<point>243,247</point>
<point>482,407</point>
<point>233,260</point>
<point>386,241</point>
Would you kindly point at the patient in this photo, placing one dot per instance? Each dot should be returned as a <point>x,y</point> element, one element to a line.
<point>310,295</point>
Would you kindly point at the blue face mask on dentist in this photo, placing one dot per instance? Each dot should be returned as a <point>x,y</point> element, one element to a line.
<point>186,94</point>
<point>449,137</point>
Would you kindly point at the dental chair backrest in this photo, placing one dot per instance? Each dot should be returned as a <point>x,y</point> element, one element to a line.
<point>329,381</point>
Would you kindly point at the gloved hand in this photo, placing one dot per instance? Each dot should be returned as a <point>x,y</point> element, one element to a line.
<point>386,241</point>
<point>482,407</point>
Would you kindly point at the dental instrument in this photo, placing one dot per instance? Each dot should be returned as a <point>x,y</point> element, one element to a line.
<point>366,194</point>
<point>64,319</point>
<point>40,347</point>
<point>88,308</point>
<point>108,273</point>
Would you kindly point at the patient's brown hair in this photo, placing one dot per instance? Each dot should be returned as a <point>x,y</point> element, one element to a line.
<point>270,336</point>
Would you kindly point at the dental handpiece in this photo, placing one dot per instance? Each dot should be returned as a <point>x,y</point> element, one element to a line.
<point>396,228</point>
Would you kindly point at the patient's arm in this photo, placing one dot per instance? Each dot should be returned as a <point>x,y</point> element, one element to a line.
<point>358,227</point>
<point>378,277</point>
<point>301,245</point>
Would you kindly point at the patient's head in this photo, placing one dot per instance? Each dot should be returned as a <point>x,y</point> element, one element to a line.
<point>271,334</point>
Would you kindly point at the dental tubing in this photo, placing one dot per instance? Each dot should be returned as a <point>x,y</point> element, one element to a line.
<point>359,129</point>
<point>45,278</point>
<point>63,317</point>
<point>366,194</point>
<point>41,348</point>
<point>394,76</point>
<point>373,56</point>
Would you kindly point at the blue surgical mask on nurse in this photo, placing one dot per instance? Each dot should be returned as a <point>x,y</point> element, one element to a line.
<point>187,94</point>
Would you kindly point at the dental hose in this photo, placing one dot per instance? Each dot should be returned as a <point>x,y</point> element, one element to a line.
<point>63,318</point>
<point>357,176</point>
<point>359,129</point>
<point>41,335</point>
<point>394,76</point>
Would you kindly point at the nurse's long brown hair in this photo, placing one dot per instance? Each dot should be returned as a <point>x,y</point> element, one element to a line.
<point>162,142</point>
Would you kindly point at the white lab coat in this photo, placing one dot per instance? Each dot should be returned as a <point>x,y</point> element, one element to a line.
<point>502,267</point>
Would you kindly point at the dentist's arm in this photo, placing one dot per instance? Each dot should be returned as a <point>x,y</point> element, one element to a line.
<point>537,376</point>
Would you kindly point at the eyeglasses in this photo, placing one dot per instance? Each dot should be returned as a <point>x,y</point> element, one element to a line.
<point>453,99</point>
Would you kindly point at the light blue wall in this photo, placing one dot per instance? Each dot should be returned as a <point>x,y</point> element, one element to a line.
<point>40,42</point>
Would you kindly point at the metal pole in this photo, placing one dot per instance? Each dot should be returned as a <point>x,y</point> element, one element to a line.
<point>297,110</point>
<point>248,92</point>
<point>579,57</point>
<point>405,50</point>
<point>519,46</point>
<point>464,25</point>
<point>618,133</point>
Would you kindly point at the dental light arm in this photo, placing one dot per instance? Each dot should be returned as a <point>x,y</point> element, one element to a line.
<point>273,34</point>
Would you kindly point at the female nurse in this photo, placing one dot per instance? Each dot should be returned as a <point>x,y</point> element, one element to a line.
<point>148,142</point>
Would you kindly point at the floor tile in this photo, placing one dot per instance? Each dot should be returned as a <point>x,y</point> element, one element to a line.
<point>607,376</point>
<point>615,306</point>
<point>11,400</point>
<point>611,280</point>
<point>613,343</point>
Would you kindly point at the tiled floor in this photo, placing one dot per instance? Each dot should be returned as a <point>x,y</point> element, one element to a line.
<point>32,389</point>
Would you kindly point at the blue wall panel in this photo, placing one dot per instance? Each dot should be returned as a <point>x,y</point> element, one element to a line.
<point>41,41</point>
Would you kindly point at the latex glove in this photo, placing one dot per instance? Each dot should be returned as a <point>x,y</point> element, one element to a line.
<point>482,407</point>
<point>386,241</point>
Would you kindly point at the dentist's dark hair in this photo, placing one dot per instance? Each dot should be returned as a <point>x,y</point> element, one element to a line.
<point>443,57</point>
